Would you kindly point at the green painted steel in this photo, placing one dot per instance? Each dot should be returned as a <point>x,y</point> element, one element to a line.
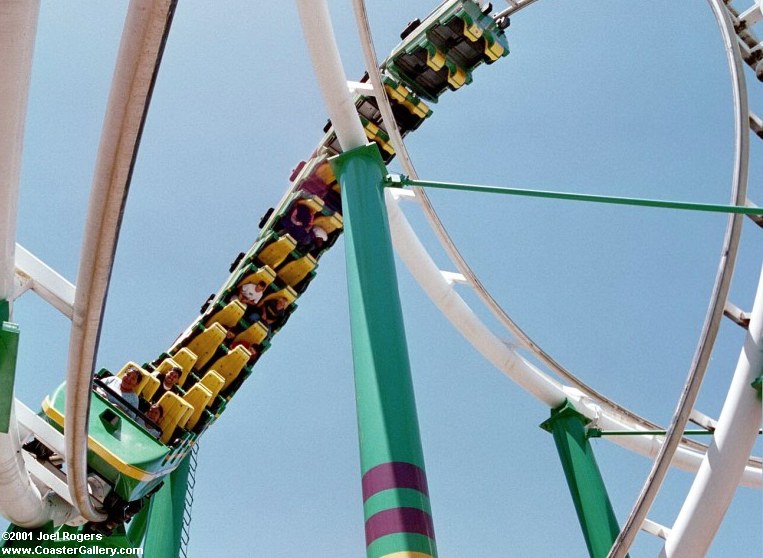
<point>9,344</point>
<point>132,459</point>
<point>399,181</point>
<point>595,513</point>
<point>387,420</point>
<point>598,433</point>
<point>400,497</point>
<point>165,516</point>
<point>391,544</point>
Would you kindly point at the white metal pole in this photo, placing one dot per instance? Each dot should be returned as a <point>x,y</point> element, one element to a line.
<point>324,54</point>
<point>18,26</point>
<point>721,469</point>
<point>20,500</point>
<point>139,54</point>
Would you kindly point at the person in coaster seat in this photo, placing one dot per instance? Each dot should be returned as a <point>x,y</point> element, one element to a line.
<point>270,312</point>
<point>298,223</point>
<point>168,382</point>
<point>251,293</point>
<point>124,387</point>
<point>154,414</point>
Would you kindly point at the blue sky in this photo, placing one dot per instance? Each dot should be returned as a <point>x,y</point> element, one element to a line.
<point>618,98</point>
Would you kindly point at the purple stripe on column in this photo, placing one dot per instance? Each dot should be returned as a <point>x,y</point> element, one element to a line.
<point>396,474</point>
<point>399,520</point>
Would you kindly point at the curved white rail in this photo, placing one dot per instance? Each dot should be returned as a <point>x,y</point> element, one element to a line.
<point>18,27</point>
<point>20,500</point>
<point>718,298</point>
<point>717,479</point>
<point>139,55</point>
<point>633,419</point>
<point>324,53</point>
<point>528,377</point>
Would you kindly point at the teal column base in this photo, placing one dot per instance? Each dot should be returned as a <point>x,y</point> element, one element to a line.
<point>592,504</point>
<point>398,520</point>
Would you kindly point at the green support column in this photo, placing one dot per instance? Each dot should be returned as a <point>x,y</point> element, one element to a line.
<point>595,513</point>
<point>398,520</point>
<point>9,343</point>
<point>165,516</point>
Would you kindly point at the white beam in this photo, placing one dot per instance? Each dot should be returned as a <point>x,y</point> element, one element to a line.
<point>46,282</point>
<point>718,476</point>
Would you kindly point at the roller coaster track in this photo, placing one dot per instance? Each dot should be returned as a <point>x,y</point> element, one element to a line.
<point>117,157</point>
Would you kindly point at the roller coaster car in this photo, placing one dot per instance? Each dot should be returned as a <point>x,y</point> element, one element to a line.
<point>442,52</point>
<point>122,452</point>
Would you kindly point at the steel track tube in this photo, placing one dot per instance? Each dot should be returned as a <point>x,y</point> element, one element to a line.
<point>18,27</point>
<point>395,494</point>
<point>718,476</point>
<point>140,52</point>
<point>324,54</point>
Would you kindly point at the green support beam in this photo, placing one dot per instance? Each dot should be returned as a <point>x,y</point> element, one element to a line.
<point>395,494</point>
<point>400,180</point>
<point>164,527</point>
<point>595,513</point>
<point>9,344</point>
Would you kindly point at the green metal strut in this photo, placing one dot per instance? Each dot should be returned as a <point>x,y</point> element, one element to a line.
<point>398,518</point>
<point>401,180</point>
<point>595,513</point>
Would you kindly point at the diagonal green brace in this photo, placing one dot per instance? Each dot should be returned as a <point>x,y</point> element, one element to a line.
<point>595,513</point>
<point>9,344</point>
<point>400,180</point>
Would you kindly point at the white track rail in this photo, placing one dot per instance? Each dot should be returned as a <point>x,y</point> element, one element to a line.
<point>20,500</point>
<point>718,298</point>
<point>137,62</point>
<point>441,292</point>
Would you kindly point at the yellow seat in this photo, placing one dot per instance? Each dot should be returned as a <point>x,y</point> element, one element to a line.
<point>287,292</point>
<point>277,251</point>
<point>198,397</point>
<point>493,50</point>
<point>402,96</point>
<point>293,272</point>
<point>206,343</point>
<point>253,335</point>
<point>456,76</point>
<point>214,382</point>
<point>313,202</point>
<point>144,379</point>
<point>472,31</point>
<point>175,411</point>
<point>435,59</point>
<point>229,315</point>
<point>185,358</point>
<point>230,365</point>
<point>329,223</point>
<point>265,274</point>
<point>150,388</point>
<point>325,173</point>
